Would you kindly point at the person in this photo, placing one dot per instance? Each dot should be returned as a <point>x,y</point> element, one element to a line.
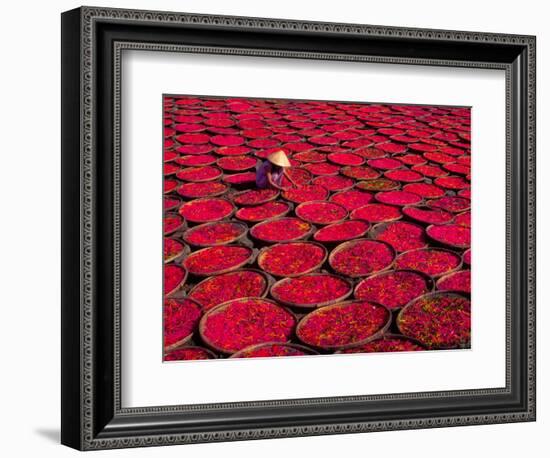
<point>270,172</point>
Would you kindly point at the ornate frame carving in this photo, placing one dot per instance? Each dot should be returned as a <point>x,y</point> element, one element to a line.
<point>101,422</point>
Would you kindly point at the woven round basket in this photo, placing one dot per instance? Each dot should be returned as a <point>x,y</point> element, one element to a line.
<point>445,277</point>
<point>187,338</point>
<point>278,298</point>
<point>343,239</point>
<point>377,229</point>
<point>269,280</point>
<point>411,303</point>
<point>418,220</point>
<point>303,322</point>
<point>434,276</point>
<point>180,227</point>
<point>249,260</point>
<point>200,180</point>
<point>242,228</point>
<point>429,281</point>
<point>263,251</point>
<point>283,213</point>
<point>270,197</point>
<point>184,251</point>
<point>299,212</point>
<point>350,243</point>
<point>200,221</point>
<point>177,288</point>
<point>356,214</point>
<point>221,307</point>
<point>447,243</point>
<point>305,235</point>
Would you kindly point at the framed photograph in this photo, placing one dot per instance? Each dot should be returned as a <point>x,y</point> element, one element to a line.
<point>276,228</point>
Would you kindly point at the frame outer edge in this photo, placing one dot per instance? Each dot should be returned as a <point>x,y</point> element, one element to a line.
<point>84,368</point>
<point>531,227</point>
<point>71,305</point>
<point>87,210</point>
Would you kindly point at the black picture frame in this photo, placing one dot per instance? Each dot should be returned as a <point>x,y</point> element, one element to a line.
<point>92,40</point>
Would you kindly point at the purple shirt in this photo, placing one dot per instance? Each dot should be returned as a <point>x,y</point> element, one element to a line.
<point>261,174</point>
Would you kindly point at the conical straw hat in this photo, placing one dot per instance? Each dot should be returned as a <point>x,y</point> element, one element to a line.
<point>279,158</point>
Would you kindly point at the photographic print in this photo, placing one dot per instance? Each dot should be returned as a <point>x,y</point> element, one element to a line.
<point>304,227</point>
